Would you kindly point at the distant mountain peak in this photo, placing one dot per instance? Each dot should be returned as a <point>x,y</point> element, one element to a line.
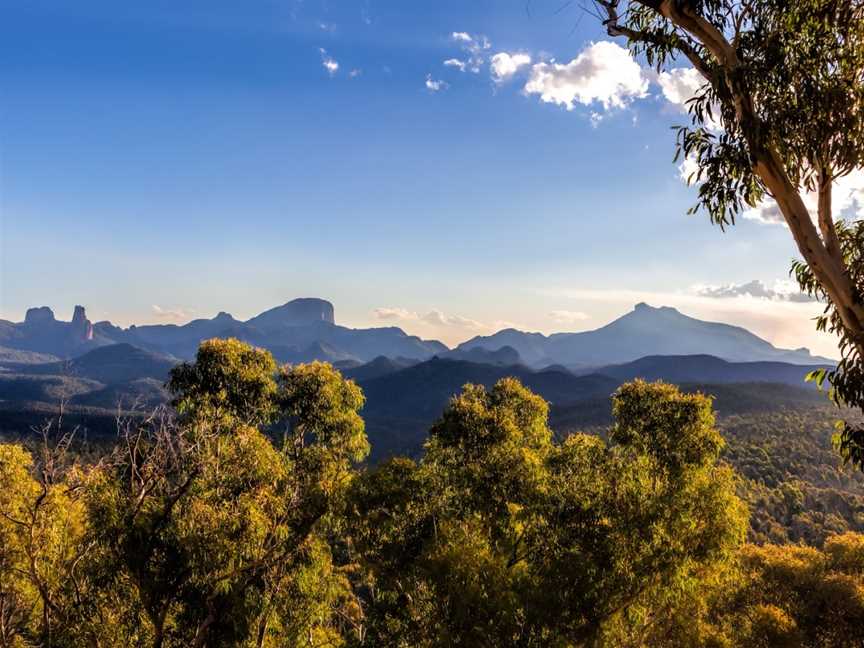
<point>297,312</point>
<point>646,330</point>
<point>643,307</point>
<point>39,315</point>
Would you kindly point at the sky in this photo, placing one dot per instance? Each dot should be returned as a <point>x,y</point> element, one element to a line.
<point>449,167</point>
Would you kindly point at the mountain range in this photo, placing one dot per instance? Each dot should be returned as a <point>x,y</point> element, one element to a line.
<point>298,331</point>
<point>305,329</point>
<point>96,369</point>
<point>642,332</point>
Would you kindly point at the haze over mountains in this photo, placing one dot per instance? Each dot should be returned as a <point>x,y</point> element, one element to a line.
<point>97,368</point>
<point>305,329</point>
<point>643,331</point>
<point>301,330</point>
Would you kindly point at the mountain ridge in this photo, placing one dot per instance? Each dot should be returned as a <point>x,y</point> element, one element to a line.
<point>644,331</point>
<point>305,328</point>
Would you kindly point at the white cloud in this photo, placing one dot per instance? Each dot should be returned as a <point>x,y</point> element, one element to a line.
<point>356,72</point>
<point>434,85</point>
<point>437,318</point>
<point>456,63</point>
<point>172,314</point>
<point>474,47</point>
<point>330,64</point>
<point>783,290</point>
<point>434,318</point>
<point>688,169</point>
<point>680,85</point>
<point>504,65</point>
<point>603,72</point>
<point>388,313</point>
<point>568,317</point>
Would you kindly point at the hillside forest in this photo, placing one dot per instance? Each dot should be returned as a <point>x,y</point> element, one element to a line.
<point>245,515</point>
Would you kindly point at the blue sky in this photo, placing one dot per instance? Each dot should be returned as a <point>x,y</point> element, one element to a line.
<point>162,161</point>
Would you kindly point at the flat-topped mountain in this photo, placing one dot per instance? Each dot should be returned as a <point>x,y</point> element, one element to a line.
<point>642,332</point>
<point>41,332</point>
<point>306,329</point>
<point>300,330</point>
<point>298,312</point>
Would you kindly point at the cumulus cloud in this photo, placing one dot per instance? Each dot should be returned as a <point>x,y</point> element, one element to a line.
<point>568,317</point>
<point>393,314</point>
<point>434,85</point>
<point>330,64</point>
<point>356,72</point>
<point>688,170</point>
<point>680,85</point>
<point>783,290</point>
<point>172,314</point>
<point>474,47</point>
<point>437,318</point>
<point>434,317</point>
<point>603,72</point>
<point>455,63</point>
<point>504,65</point>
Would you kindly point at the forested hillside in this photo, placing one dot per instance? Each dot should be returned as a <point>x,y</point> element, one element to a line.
<point>248,519</point>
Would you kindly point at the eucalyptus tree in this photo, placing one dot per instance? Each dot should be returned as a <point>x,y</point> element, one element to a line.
<point>780,116</point>
<point>499,536</point>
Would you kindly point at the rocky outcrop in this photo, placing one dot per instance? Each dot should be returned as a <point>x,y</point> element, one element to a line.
<point>81,327</point>
<point>305,311</point>
<point>39,315</point>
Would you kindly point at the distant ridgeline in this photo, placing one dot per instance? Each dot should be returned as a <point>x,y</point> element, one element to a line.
<point>96,368</point>
<point>760,394</point>
<point>305,329</point>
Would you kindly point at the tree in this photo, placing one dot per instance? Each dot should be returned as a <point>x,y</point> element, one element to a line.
<point>207,533</point>
<point>781,114</point>
<point>43,526</point>
<point>229,381</point>
<point>500,536</point>
<point>797,596</point>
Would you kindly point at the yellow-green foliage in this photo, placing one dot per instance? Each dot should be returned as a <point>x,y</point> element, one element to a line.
<point>796,596</point>
<point>245,521</point>
<point>42,527</point>
<point>501,537</point>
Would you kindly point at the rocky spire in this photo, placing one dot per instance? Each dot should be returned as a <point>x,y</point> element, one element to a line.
<point>82,328</point>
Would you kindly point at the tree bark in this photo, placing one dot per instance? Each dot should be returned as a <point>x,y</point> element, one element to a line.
<point>822,253</point>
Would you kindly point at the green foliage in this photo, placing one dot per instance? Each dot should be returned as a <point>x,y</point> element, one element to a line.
<point>229,382</point>
<point>795,484</point>
<point>501,537</point>
<point>195,531</point>
<point>847,379</point>
<point>780,114</point>
<point>798,65</point>
<point>207,530</point>
<point>796,596</point>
